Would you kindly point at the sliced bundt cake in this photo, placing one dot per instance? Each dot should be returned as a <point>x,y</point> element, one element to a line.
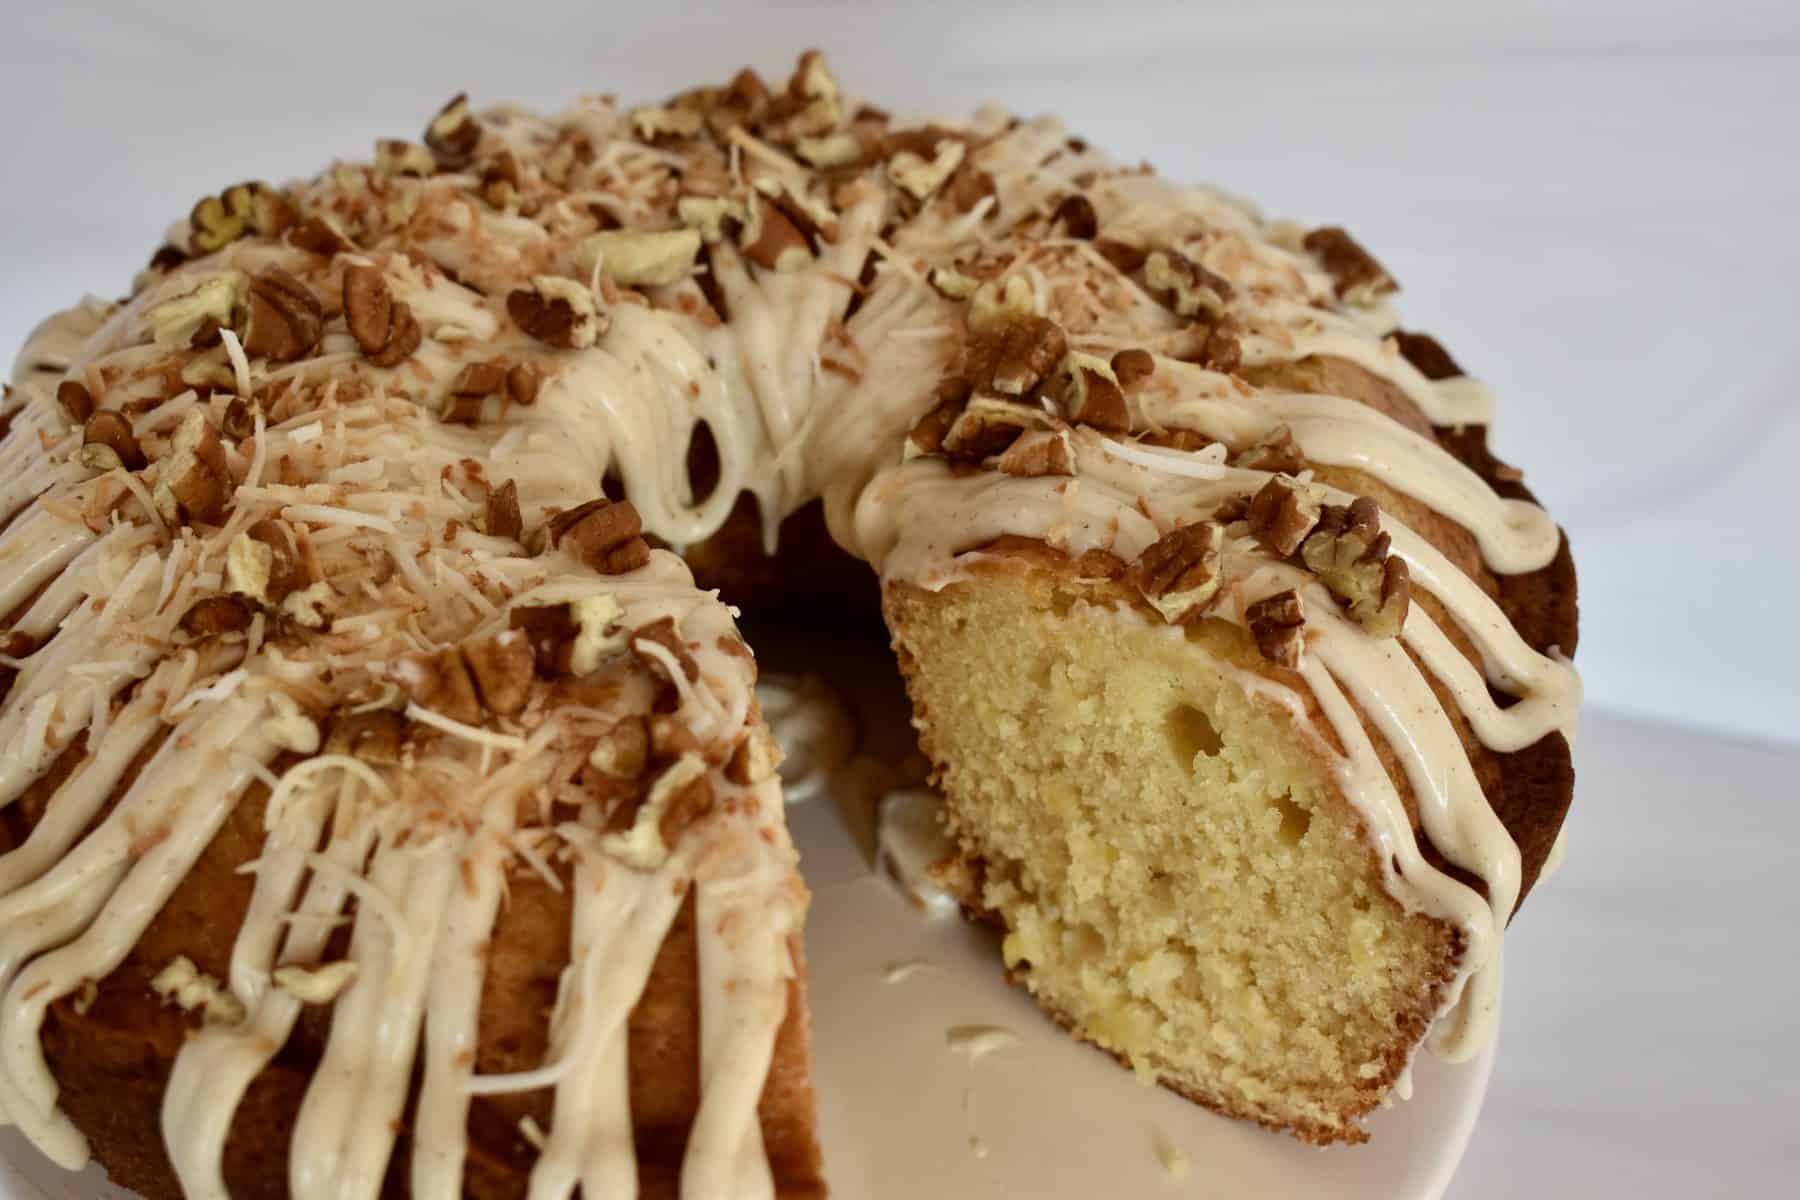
<point>386,805</point>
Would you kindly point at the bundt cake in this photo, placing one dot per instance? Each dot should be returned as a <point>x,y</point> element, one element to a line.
<point>386,804</point>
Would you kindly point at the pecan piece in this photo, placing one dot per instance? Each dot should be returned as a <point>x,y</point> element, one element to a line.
<point>634,258</point>
<point>663,632</point>
<point>1125,257</point>
<point>771,240</point>
<point>383,327</point>
<point>1013,357</point>
<point>194,479</point>
<point>1132,367</point>
<point>1183,286</point>
<point>1077,217</point>
<point>1275,451</point>
<point>453,134</point>
<point>1351,555</point>
<point>1278,623</point>
<point>1180,573</point>
<point>502,668</point>
<point>216,614</point>
<point>987,425</point>
<point>605,534</point>
<point>1355,275</point>
<point>241,209</point>
<point>1093,396</point>
<point>502,517</point>
<point>470,389</point>
<point>394,156</point>
<point>754,759</point>
<point>927,436</point>
<point>440,682</point>
<point>921,177</point>
<point>319,235</point>
<point>969,187</point>
<point>1282,514</point>
<point>558,312</point>
<point>108,443</point>
<point>286,320</point>
<point>76,401</point>
<point>1033,455</point>
<point>375,736</point>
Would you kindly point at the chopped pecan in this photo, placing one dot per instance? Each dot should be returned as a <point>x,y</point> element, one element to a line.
<point>217,614</point>
<point>1183,286</point>
<point>1278,623</point>
<point>1426,355</point>
<point>1033,455</point>
<point>715,218</point>
<point>623,751</point>
<point>1282,514</point>
<point>987,425</point>
<point>500,180</point>
<point>249,566</point>
<point>471,387</point>
<point>927,436</point>
<point>1093,396</point>
<point>319,235</point>
<point>194,479</point>
<point>375,736</point>
<point>969,187</point>
<point>394,156</point>
<point>442,683</point>
<point>605,534</point>
<point>1275,451</point>
<point>664,632</point>
<point>76,401</point>
<point>107,443</point>
<point>1013,357</point>
<point>453,134</point>
<point>241,209</point>
<point>522,381</point>
<point>1132,367</point>
<point>1077,217</point>
<point>642,835</point>
<point>634,258</point>
<point>1124,256</point>
<point>771,240</point>
<point>502,517</point>
<point>656,123</point>
<point>754,759</point>
<point>998,301</point>
<point>551,631</point>
<point>1180,572</point>
<point>1215,347</point>
<point>239,421</point>
<point>1351,555</point>
<point>1355,275</point>
<point>920,176</point>
<point>502,668</point>
<point>197,316</point>
<point>286,321</point>
<point>288,569</point>
<point>558,312</point>
<point>384,328</point>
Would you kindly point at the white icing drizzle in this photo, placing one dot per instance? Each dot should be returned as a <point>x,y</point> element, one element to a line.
<point>801,402</point>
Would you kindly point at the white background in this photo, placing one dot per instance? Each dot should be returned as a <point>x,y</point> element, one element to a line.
<point>1596,206</point>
